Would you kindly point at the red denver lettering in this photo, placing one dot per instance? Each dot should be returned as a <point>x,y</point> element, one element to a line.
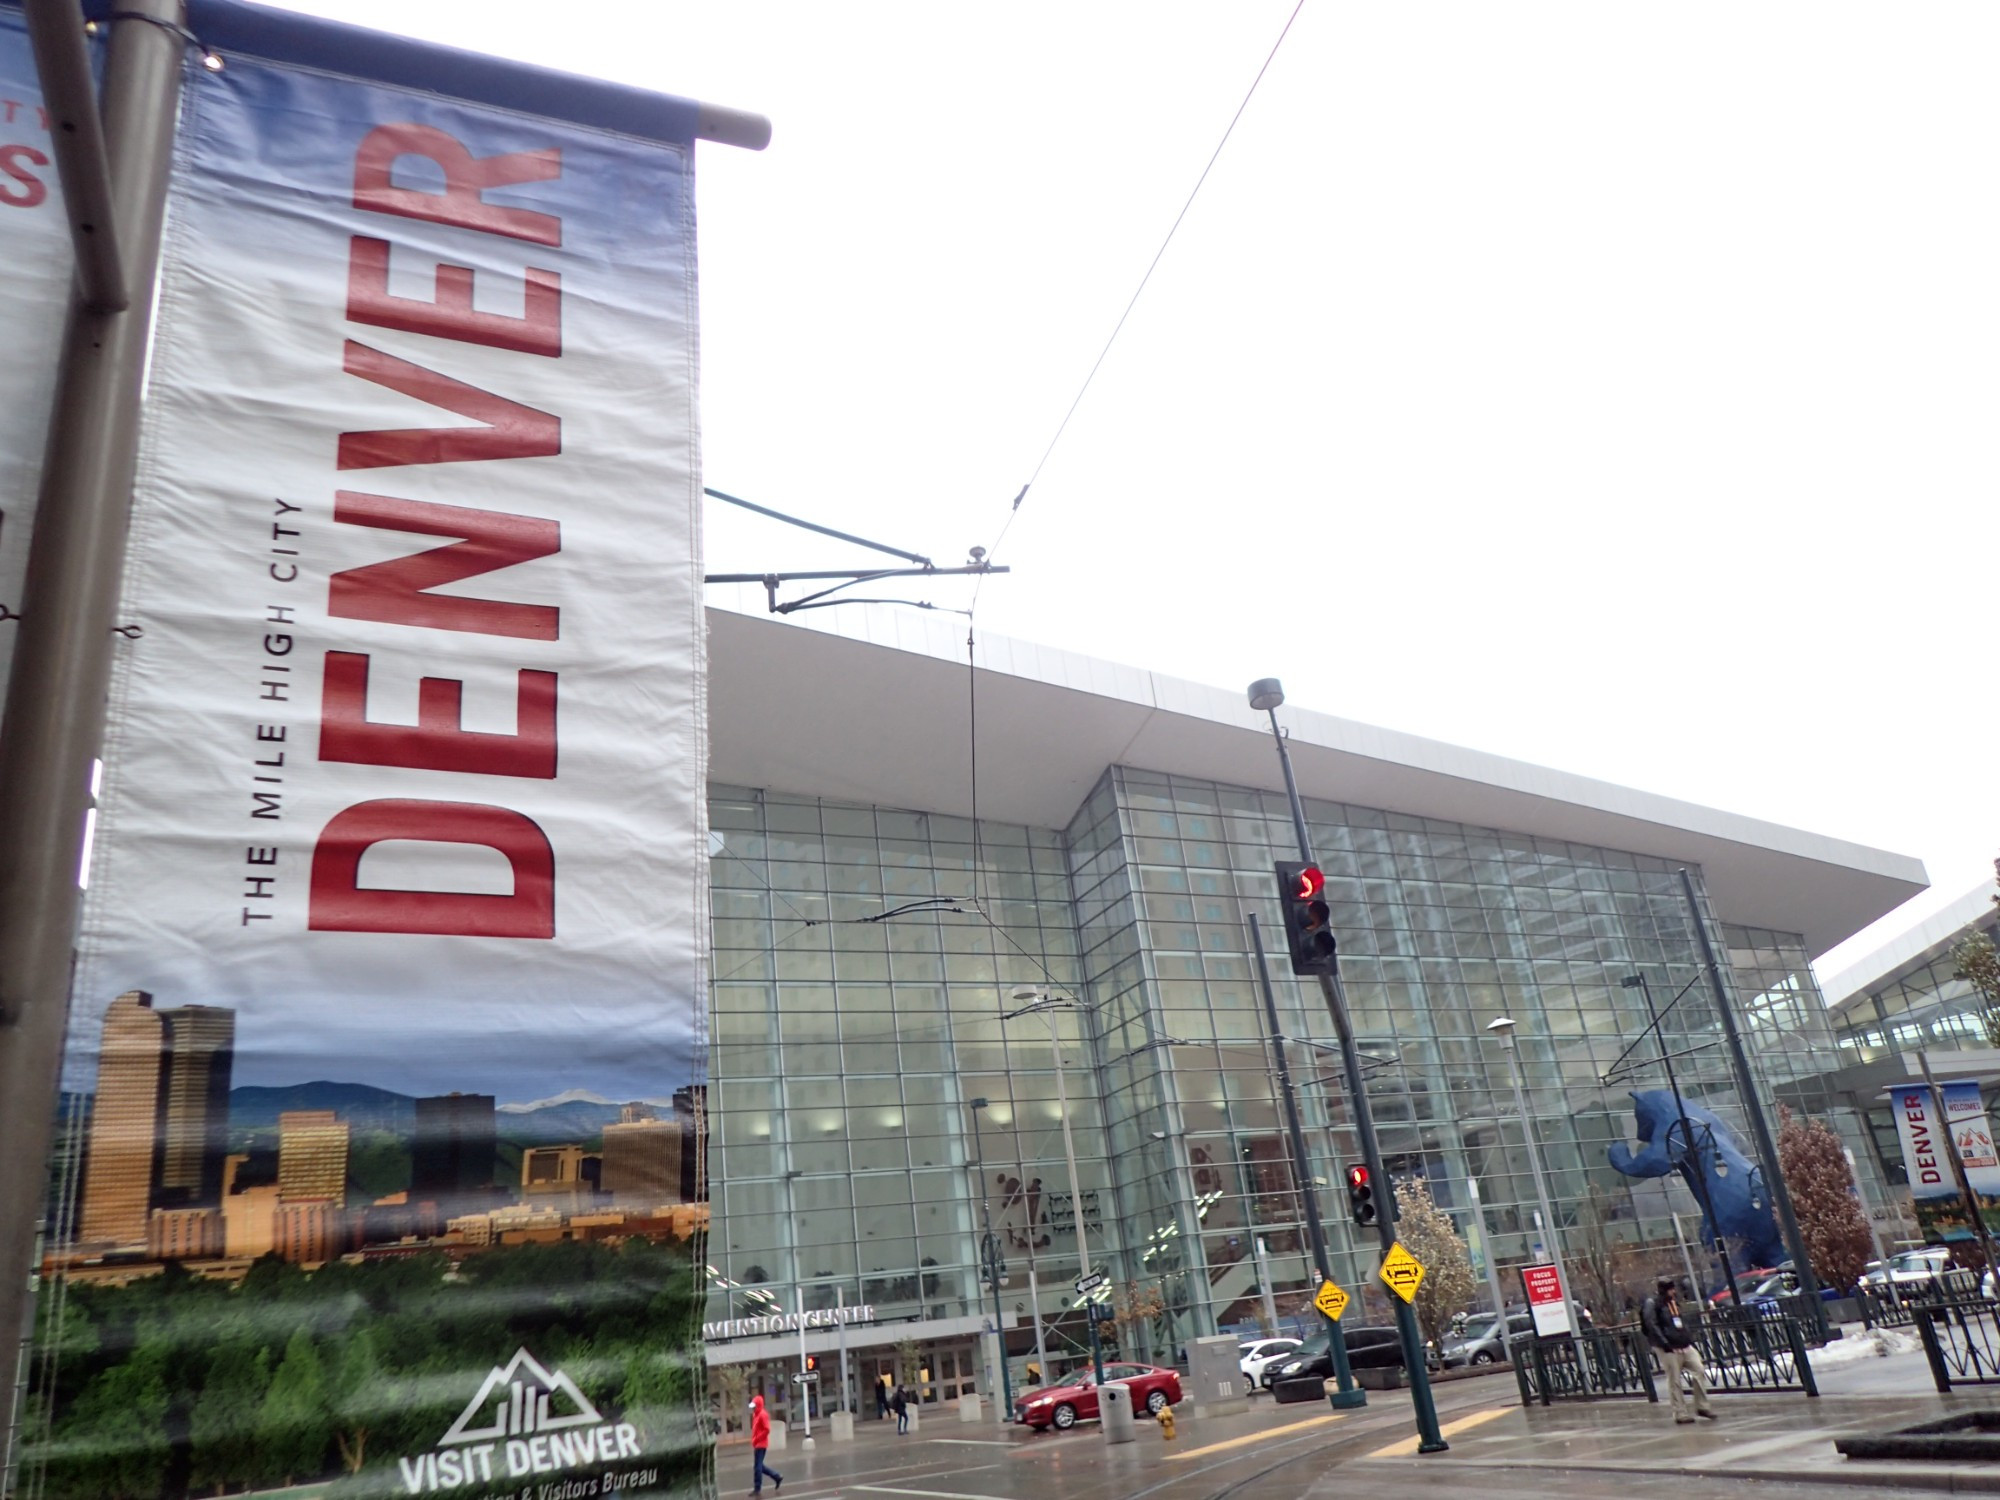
<point>438,741</point>
<point>395,591</point>
<point>466,179</point>
<point>511,431</point>
<point>452,316</point>
<point>337,902</point>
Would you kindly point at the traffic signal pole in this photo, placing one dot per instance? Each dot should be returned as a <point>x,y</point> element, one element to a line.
<point>1267,695</point>
<point>1347,1393</point>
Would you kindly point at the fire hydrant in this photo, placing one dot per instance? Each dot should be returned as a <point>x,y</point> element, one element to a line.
<point>1166,1424</point>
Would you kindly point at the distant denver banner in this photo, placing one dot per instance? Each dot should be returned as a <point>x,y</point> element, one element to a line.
<point>1934,1188</point>
<point>35,269</point>
<point>384,1104</point>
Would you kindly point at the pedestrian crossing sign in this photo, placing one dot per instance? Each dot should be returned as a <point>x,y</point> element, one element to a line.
<point>1402,1272</point>
<point>1331,1300</point>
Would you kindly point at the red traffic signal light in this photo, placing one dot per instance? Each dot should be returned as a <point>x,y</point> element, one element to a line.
<point>1308,920</point>
<point>1360,1196</point>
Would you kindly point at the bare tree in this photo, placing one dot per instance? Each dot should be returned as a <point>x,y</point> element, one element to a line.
<point>1429,1234</point>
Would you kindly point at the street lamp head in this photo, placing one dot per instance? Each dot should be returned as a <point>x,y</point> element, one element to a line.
<point>1266,693</point>
<point>979,1103</point>
<point>1502,1027</point>
<point>1026,992</point>
<point>1632,981</point>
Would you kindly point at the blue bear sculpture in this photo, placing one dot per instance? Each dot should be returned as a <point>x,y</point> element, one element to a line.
<point>1742,1207</point>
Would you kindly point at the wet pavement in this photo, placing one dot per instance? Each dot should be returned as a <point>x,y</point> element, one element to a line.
<point>1628,1449</point>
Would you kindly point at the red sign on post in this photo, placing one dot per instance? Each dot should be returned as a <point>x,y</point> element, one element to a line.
<point>1545,1300</point>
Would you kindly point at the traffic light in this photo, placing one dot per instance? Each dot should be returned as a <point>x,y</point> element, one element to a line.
<point>1308,925</point>
<point>1360,1196</point>
<point>812,1364</point>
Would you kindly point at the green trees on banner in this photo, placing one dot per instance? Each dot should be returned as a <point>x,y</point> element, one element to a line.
<point>173,1387</point>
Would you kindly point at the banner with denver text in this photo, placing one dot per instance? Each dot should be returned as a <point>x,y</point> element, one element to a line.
<point>35,271</point>
<point>381,1161</point>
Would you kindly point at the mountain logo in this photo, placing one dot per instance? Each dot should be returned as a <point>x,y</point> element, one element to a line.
<point>522,1398</point>
<point>527,1420</point>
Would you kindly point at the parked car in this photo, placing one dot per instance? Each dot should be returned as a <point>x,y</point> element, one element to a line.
<point>1257,1355</point>
<point>1908,1268</point>
<point>1763,1297</point>
<point>1063,1406</point>
<point>1746,1283</point>
<point>1367,1349</point>
<point>1485,1340</point>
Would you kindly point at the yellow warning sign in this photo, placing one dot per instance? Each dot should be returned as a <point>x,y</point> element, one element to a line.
<point>1331,1300</point>
<point>1402,1272</point>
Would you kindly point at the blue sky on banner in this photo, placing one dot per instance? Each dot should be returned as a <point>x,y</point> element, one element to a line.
<point>1604,387</point>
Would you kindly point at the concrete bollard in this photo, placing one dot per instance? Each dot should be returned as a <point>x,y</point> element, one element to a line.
<point>840,1427</point>
<point>969,1408</point>
<point>777,1436</point>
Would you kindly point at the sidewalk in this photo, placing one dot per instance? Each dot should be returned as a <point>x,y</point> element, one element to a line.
<point>1786,1437</point>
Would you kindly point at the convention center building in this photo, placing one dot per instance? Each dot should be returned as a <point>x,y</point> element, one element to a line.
<point>915,926</point>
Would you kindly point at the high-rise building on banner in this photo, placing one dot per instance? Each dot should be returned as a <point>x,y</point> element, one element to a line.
<point>691,1110</point>
<point>312,1156</point>
<point>453,1159</point>
<point>159,1123</point>
<point>642,1163</point>
<point>124,1123</point>
<point>194,1105</point>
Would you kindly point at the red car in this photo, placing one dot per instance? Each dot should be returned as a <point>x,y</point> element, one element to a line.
<point>1063,1406</point>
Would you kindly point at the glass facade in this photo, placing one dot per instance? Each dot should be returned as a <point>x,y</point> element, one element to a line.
<point>874,1109</point>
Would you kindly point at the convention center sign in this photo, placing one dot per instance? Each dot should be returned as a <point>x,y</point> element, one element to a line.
<point>35,270</point>
<point>380,1164</point>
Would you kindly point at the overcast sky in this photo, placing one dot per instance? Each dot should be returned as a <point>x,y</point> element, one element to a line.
<point>1611,387</point>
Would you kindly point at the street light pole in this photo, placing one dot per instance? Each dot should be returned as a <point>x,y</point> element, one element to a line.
<point>1638,982</point>
<point>1347,1393</point>
<point>1048,1005</point>
<point>1265,696</point>
<point>1504,1029</point>
<point>989,1260</point>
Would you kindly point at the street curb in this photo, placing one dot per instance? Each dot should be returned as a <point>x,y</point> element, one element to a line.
<point>1943,1479</point>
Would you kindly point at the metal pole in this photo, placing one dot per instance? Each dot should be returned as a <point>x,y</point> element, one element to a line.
<point>1347,1393</point>
<point>1550,1233</point>
<point>1702,1190</point>
<point>1430,1440</point>
<point>1486,1254</point>
<point>76,136</point>
<point>805,1381</point>
<point>990,1261</point>
<point>1760,1128</point>
<point>1687,1261</point>
<point>840,1325</point>
<point>1075,1194</point>
<point>54,720</point>
<point>1035,1307</point>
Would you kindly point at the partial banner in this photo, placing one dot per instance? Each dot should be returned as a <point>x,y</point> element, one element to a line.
<point>35,271</point>
<point>1934,1191</point>
<point>382,1164</point>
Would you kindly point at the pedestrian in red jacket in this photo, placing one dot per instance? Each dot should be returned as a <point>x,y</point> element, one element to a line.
<point>760,1444</point>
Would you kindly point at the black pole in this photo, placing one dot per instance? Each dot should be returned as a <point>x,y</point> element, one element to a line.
<point>1430,1440</point>
<point>990,1258</point>
<point>1760,1128</point>
<point>1348,1394</point>
<point>1687,1144</point>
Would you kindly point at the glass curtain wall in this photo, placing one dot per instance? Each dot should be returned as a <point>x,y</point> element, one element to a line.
<point>863,960</point>
<point>1443,928</point>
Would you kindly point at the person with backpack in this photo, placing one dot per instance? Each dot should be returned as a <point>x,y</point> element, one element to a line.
<point>1666,1329</point>
<point>900,1405</point>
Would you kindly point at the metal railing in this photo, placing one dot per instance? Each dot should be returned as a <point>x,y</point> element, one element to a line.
<point>1960,1330</point>
<point>1741,1354</point>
